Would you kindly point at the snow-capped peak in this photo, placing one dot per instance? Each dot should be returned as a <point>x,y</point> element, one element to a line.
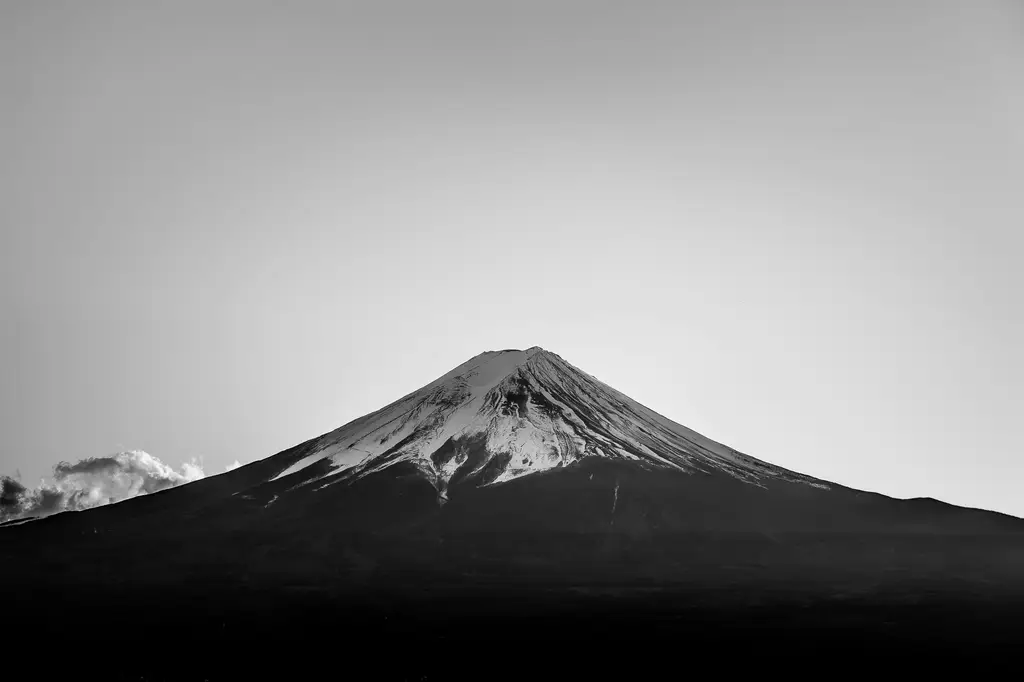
<point>505,414</point>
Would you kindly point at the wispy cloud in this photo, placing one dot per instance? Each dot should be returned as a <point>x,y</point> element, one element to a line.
<point>93,482</point>
<point>234,465</point>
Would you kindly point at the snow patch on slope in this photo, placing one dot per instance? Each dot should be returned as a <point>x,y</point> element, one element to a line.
<point>427,417</point>
<point>524,412</point>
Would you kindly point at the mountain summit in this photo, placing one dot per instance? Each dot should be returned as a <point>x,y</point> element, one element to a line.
<point>506,414</point>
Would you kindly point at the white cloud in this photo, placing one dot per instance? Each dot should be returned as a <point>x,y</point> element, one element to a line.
<point>93,482</point>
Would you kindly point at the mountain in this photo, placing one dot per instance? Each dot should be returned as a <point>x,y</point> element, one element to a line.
<point>519,502</point>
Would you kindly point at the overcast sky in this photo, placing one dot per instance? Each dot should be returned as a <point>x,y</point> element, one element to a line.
<point>795,227</point>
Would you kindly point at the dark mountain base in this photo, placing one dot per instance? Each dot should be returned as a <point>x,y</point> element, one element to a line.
<point>600,570</point>
<point>432,631</point>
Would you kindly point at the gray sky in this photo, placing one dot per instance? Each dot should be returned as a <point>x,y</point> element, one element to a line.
<point>794,227</point>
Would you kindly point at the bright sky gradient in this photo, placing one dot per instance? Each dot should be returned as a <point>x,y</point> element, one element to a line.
<point>795,227</point>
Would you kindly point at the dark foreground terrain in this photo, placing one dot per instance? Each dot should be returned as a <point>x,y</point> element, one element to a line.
<point>599,569</point>
<point>503,632</point>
